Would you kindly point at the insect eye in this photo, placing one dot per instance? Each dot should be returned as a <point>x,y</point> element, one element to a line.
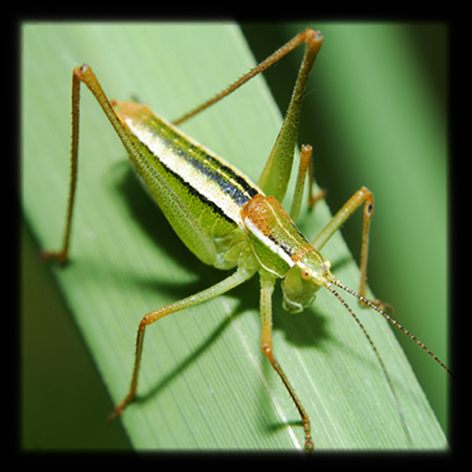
<point>306,273</point>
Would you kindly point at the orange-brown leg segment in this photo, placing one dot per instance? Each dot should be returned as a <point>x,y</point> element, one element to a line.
<point>275,176</point>
<point>62,254</point>
<point>86,75</point>
<point>306,166</point>
<point>234,280</point>
<point>267,287</point>
<point>363,195</point>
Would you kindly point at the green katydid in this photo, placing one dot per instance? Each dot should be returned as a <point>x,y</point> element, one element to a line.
<point>251,232</point>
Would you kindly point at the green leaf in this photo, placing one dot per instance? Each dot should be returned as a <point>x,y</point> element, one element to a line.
<point>204,382</point>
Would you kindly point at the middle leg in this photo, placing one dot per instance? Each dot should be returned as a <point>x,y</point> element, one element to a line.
<point>267,287</point>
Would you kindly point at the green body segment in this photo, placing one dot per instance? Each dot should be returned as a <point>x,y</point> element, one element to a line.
<point>233,214</point>
<point>276,241</point>
<point>212,190</point>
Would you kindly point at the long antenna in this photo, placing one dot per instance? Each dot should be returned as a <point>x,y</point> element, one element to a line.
<point>382,365</point>
<point>389,318</point>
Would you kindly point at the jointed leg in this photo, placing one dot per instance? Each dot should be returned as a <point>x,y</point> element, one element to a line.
<point>234,280</point>
<point>85,74</point>
<point>307,36</point>
<point>276,173</point>
<point>306,166</point>
<point>267,287</point>
<point>364,195</point>
<point>62,254</point>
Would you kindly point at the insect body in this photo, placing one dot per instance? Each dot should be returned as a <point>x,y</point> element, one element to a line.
<point>226,220</point>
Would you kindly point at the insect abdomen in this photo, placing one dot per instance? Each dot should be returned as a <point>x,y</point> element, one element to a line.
<point>212,189</point>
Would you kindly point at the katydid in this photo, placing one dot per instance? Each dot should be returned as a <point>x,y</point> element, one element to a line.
<point>226,220</point>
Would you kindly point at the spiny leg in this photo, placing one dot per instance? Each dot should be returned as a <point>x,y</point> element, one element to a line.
<point>276,174</point>
<point>320,194</point>
<point>306,166</point>
<point>304,36</point>
<point>61,255</point>
<point>267,287</point>
<point>229,283</point>
<point>85,74</point>
<point>363,195</point>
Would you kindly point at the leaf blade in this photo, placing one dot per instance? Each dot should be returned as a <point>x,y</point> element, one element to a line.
<point>204,365</point>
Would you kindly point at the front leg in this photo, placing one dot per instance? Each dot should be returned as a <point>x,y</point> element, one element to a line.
<point>267,287</point>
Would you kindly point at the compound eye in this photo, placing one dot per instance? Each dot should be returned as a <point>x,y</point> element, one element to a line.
<point>306,273</point>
